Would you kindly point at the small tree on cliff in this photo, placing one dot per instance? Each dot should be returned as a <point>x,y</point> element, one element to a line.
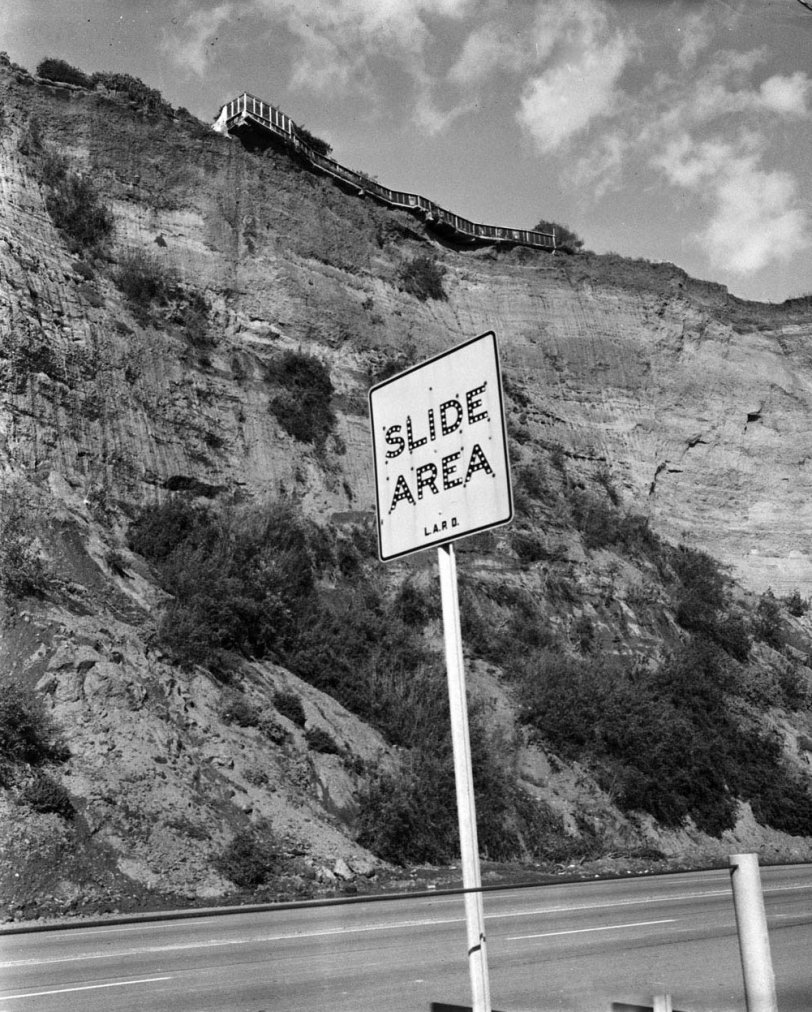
<point>563,236</point>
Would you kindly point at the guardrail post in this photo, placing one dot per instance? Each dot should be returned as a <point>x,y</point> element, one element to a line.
<point>754,941</point>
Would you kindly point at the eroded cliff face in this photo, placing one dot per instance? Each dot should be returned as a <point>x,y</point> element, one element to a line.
<point>697,403</point>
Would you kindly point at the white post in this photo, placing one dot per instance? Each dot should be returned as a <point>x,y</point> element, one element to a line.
<point>754,942</point>
<point>466,810</point>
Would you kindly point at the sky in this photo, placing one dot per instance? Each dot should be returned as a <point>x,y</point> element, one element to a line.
<point>674,130</point>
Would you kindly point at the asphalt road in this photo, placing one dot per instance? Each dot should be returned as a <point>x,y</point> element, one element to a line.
<point>562,948</point>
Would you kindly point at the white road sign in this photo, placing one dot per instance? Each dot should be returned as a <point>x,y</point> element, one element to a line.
<point>440,450</point>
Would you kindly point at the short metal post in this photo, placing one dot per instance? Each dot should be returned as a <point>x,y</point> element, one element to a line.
<point>662,1003</point>
<point>754,941</point>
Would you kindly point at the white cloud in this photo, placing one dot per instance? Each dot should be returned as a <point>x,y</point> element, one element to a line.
<point>690,164</point>
<point>585,60</point>
<point>695,35</point>
<point>601,168</point>
<point>190,49</point>
<point>487,49</point>
<point>337,39</point>
<point>756,220</point>
<point>336,44</point>
<point>786,95</point>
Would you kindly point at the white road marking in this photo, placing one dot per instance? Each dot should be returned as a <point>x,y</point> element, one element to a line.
<point>215,942</point>
<point>378,926</point>
<point>583,931</point>
<point>84,987</point>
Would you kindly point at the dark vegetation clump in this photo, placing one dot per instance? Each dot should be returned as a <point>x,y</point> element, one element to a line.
<point>71,200</point>
<point>701,600</point>
<point>159,529</point>
<point>699,587</point>
<point>665,742</point>
<point>44,794</point>
<point>28,735</point>
<point>252,856</point>
<point>290,706</point>
<point>250,583</point>
<point>320,146</point>
<point>23,572</point>
<point>191,314</point>
<point>53,69</point>
<point>415,606</point>
<point>392,365</point>
<point>796,605</point>
<point>155,295</point>
<point>319,740</point>
<point>529,547</point>
<point>238,579</point>
<point>565,238</point>
<point>769,627</point>
<point>143,98</point>
<point>236,709</point>
<point>603,525</point>
<point>423,278</point>
<point>144,283</point>
<point>77,210</point>
<point>410,817</point>
<point>674,741</point>
<point>303,405</point>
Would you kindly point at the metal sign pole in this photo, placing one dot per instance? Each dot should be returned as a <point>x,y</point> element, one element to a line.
<point>463,775</point>
<point>754,939</point>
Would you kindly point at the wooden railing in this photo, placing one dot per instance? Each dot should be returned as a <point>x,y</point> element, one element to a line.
<point>247,108</point>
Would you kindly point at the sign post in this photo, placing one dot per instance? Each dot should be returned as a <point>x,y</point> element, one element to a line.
<point>442,472</point>
<point>463,777</point>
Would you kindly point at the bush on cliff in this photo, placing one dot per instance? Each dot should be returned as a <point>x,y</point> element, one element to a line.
<point>154,292</point>
<point>410,816</point>
<point>28,735</point>
<point>144,283</point>
<point>665,742</point>
<point>251,857</point>
<point>44,794</point>
<point>141,96</point>
<point>53,69</point>
<point>320,146</point>
<point>237,577</point>
<point>303,406</point>
<point>423,278</point>
<point>23,571</point>
<point>769,627</point>
<point>565,238</point>
<point>77,210</point>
